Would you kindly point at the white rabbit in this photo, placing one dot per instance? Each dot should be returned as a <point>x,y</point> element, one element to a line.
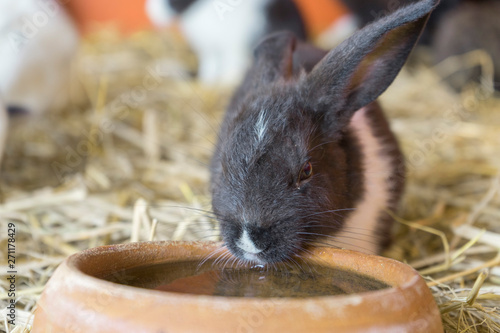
<point>37,44</point>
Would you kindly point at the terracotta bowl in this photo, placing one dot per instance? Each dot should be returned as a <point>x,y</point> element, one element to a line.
<point>77,300</point>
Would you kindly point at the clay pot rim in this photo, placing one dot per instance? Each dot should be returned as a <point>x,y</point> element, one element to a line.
<point>73,263</point>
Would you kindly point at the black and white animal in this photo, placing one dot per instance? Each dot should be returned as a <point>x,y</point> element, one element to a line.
<point>224,33</point>
<point>305,154</point>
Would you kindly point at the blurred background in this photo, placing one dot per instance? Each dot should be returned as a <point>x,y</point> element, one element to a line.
<point>109,111</point>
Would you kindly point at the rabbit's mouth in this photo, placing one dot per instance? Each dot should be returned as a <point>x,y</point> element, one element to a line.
<point>269,255</point>
<point>248,249</point>
<point>254,258</point>
<point>247,256</point>
<point>252,243</point>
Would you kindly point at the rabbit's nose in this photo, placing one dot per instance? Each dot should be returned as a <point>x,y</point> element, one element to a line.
<point>247,244</point>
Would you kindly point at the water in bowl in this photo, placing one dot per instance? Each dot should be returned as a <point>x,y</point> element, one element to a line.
<point>298,280</point>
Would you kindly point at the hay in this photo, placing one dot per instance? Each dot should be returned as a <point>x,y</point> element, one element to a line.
<point>128,161</point>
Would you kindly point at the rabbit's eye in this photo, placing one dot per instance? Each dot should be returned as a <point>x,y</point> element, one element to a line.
<point>306,171</point>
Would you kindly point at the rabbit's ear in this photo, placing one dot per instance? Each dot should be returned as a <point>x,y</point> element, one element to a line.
<point>361,68</point>
<point>274,58</point>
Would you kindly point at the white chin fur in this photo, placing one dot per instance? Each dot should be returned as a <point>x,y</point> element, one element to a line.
<point>253,258</point>
<point>362,223</point>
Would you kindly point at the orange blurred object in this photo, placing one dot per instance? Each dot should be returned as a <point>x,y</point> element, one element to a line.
<point>128,16</point>
<point>319,15</point>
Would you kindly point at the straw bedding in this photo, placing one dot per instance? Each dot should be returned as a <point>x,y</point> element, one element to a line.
<point>127,160</point>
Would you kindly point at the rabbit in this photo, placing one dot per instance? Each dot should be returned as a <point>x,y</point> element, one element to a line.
<point>37,44</point>
<point>223,33</point>
<point>305,154</point>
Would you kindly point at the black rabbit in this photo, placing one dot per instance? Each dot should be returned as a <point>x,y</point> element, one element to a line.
<point>305,154</point>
